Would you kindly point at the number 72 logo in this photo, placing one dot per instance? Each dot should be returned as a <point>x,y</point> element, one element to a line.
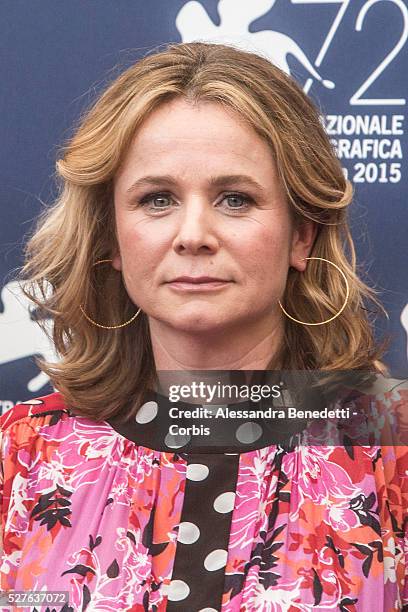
<point>357,98</point>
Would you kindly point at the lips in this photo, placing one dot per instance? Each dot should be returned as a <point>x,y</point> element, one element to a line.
<point>195,280</point>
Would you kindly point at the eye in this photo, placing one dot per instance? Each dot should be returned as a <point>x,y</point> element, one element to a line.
<point>238,201</point>
<point>158,201</point>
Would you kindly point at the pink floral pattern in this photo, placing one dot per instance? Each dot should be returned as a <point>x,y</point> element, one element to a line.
<point>85,510</point>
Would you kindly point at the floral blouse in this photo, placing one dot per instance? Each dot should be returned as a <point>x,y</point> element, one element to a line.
<point>99,510</point>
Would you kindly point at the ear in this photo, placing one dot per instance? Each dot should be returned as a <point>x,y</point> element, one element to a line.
<point>117,261</point>
<point>303,239</point>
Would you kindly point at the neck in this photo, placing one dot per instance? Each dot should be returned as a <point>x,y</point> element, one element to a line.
<point>175,350</point>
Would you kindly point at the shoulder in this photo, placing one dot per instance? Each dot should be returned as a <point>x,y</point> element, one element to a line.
<point>44,405</point>
<point>23,427</point>
<point>389,399</point>
<point>385,395</point>
<point>394,388</point>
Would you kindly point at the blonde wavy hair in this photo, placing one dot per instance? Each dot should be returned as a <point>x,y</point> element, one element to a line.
<point>106,372</point>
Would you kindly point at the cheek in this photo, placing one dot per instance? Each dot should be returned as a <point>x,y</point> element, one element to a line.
<point>141,245</point>
<point>264,253</point>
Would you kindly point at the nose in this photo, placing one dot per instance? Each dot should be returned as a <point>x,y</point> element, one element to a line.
<point>196,230</point>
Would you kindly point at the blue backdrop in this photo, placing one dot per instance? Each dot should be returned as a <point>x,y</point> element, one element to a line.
<point>350,57</point>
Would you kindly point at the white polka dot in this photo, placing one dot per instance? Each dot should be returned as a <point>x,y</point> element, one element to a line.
<point>188,533</point>
<point>176,440</point>
<point>224,502</point>
<point>207,610</point>
<point>247,433</point>
<point>165,589</point>
<point>197,471</point>
<point>147,412</point>
<point>215,560</point>
<point>178,590</point>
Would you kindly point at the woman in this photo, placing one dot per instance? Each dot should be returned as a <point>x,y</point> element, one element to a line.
<point>201,228</point>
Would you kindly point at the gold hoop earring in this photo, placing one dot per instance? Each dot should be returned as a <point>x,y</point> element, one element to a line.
<point>107,326</point>
<point>341,309</point>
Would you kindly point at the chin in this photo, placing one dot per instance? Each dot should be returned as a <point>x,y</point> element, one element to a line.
<point>198,322</point>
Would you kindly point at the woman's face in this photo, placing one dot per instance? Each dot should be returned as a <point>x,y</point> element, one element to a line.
<point>198,196</point>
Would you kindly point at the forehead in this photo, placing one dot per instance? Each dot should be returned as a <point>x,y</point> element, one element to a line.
<point>183,137</point>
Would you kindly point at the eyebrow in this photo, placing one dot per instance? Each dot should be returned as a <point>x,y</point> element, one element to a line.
<point>227,180</point>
